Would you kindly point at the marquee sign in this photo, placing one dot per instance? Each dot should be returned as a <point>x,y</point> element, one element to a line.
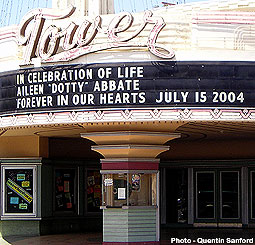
<point>129,85</point>
<point>52,43</point>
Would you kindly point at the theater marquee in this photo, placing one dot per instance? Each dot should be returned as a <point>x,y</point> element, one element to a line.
<point>51,43</point>
<point>131,85</point>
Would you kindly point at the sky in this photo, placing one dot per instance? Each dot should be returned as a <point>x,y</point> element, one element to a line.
<point>11,11</point>
<point>141,5</point>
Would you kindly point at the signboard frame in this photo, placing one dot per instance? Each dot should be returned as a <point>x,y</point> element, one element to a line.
<point>89,209</point>
<point>69,186</point>
<point>5,214</point>
<point>130,85</point>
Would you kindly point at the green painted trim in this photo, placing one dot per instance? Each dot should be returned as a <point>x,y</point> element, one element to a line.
<point>20,228</point>
<point>142,229</point>
<point>121,231</point>
<point>141,215</point>
<point>142,233</point>
<point>142,239</point>
<point>141,218</point>
<point>114,239</point>
<point>21,160</point>
<point>116,214</point>
<point>129,225</point>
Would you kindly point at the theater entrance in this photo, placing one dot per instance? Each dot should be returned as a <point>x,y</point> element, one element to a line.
<point>199,197</point>
<point>217,196</point>
<point>174,208</point>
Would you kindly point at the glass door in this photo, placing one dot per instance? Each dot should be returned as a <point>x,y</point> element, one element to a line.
<point>252,195</point>
<point>205,195</point>
<point>229,195</point>
<point>217,196</point>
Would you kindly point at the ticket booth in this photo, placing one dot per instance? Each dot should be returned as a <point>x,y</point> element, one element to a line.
<point>130,183</point>
<point>130,204</point>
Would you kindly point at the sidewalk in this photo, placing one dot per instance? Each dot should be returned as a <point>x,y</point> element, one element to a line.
<point>167,234</point>
<point>60,239</point>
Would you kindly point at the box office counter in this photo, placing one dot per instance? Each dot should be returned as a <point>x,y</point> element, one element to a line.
<point>130,200</point>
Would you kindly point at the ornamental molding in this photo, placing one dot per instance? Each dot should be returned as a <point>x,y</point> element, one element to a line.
<point>126,115</point>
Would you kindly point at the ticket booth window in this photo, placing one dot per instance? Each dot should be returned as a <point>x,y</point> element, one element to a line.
<point>129,189</point>
<point>64,189</point>
<point>19,191</point>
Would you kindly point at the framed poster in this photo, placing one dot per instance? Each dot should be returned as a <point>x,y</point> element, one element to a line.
<point>93,190</point>
<point>121,193</point>
<point>65,189</point>
<point>136,182</point>
<point>19,188</point>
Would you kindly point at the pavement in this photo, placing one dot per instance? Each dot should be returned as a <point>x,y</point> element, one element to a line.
<point>59,239</point>
<point>196,236</point>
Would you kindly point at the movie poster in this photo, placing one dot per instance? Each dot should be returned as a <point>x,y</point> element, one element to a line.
<point>94,196</point>
<point>64,189</point>
<point>19,190</point>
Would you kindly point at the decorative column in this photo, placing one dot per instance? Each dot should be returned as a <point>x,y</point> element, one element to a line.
<point>130,184</point>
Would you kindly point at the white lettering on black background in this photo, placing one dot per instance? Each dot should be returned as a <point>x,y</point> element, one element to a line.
<point>128,85</point>
<point>75,87</point>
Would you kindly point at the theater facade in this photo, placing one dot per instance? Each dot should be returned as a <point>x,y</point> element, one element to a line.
<point>128,122</point>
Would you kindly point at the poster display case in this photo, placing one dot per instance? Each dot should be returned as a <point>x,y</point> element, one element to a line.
<point>93,190</point>
<point>65,190</point>
<point>19,188</point>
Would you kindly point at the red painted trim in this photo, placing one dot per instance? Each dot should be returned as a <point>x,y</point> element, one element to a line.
<point>131,243</point>
<point>7,35</point>
<point>11,33</point>
<point>130,165</point>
